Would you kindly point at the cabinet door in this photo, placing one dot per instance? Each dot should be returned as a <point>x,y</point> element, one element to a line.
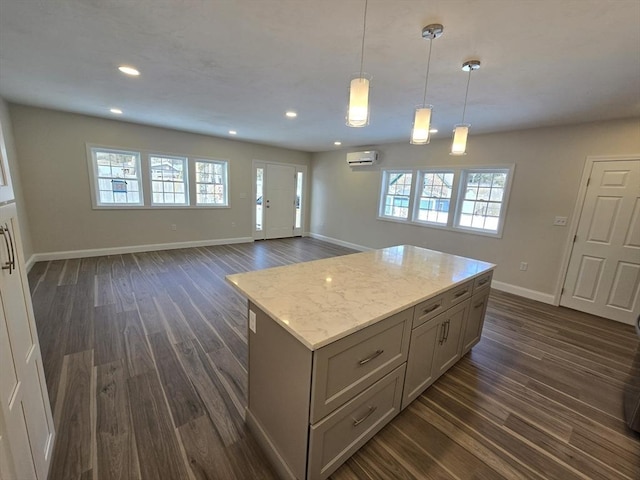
<point>422,349</point>
<point>24,403</point>
<point>449,347</point>
<point>6,188</point>
<point>475,320</point>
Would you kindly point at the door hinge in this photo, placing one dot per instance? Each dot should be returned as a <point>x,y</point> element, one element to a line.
<point>588,181</point>
<point>575,237</point>
<point>562,291</point>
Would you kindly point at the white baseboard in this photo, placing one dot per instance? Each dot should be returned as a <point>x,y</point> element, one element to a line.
<point>29,263</point>
<point>524,292</point>
<point>98,252</point>
<point>335,241</point>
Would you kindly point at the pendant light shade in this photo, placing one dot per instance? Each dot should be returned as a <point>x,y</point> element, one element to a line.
<point>420,134</point>
<point>421,125</point>
<point>460,133</point>
<point>461,130</point>
<point>358,114</point>
<point>358,110</point>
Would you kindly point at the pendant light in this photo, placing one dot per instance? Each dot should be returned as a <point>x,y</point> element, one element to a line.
<point>358,112</point>
<point>422,118</point>
<point>461,130</point>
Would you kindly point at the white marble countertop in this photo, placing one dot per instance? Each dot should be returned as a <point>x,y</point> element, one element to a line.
<point>322,301</point>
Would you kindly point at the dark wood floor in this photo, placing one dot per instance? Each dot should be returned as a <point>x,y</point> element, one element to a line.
<point>146,356</point>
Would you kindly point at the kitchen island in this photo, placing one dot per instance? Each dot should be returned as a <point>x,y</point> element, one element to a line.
<point>337,347</point>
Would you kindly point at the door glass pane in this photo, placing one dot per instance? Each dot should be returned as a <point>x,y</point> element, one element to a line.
<point>299,200</point>
<point>259,192</point>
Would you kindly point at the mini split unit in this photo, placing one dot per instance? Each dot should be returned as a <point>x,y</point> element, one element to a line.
<point>362,159</point>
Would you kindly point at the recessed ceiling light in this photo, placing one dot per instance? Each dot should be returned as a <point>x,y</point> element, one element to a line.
<point>117,111</point>
<point>433,130</point>
<point>232,132</point>
<point>291,114</point>
<point>337,143</point>
<point>129,70</point>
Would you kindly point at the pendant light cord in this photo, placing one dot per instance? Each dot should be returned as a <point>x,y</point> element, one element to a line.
<point>426,80</point>
<point>464,109</point>
<point>364,31</point>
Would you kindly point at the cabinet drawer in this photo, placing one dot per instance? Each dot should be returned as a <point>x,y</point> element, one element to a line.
<point>337,437</point>
<point>482,282</point>
<point>428,309</point>
<point>458,294</point>
<point>348,366</point>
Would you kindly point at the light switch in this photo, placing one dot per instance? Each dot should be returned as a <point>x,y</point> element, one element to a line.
<point>252,321</point>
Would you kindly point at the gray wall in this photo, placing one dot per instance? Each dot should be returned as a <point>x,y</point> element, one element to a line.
<point>51,146</point>
<point>549,164</point>
<point>14,170</point>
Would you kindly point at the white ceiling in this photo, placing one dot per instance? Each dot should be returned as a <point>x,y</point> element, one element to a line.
<point>209,66</point>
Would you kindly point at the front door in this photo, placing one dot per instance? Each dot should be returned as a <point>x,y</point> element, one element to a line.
<point>603,277</point>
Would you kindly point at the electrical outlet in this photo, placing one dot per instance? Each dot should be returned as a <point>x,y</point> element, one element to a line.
<point>560,221</point>
<point>524,266</point>
<point>174,227</point>
<point>252,321</point>
<point>233,224</point>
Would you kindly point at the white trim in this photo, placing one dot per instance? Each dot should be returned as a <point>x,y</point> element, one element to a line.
<point>524,292</point>
<point>28,265</point>
<point>577,213</point>
<point>98,252</point>
<point>342,243</point>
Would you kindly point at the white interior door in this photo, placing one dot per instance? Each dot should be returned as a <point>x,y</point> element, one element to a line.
<point>603,277</point>
<point>279,201</point>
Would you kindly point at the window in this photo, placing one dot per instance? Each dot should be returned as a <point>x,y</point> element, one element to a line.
<point>116,177</point>
<point>168,180</point>
<point>482,197</point>
<point>468,199</point>
<point>434,197</point>
<point>396,194</point>
<point>211,183</point>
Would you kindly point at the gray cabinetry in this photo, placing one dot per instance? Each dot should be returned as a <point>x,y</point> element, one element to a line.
<point>312,409</point>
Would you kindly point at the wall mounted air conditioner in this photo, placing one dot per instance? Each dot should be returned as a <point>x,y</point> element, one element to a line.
<point>361,159</point>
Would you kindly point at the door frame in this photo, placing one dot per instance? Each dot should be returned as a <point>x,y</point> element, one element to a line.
<point>304,198</point>
<point>577,213</point>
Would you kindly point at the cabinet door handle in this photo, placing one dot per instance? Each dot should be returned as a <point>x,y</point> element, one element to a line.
<point>375,354</point>
<point>11,263</point>
<point>366,415</point>
<point>446,335</point>
<point>432,309</point>
<point>444,326</point>
<point>478,305</point>
<point>459,294</point>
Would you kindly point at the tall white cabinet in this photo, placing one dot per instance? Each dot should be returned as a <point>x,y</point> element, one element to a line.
<point>26,424</point>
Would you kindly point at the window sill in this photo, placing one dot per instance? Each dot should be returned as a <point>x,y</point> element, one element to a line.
<point>442,227</point>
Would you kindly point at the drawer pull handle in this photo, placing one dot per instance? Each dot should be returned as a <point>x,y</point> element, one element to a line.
<point>432,309</point>
<point>483,281</point>
<point>459,294</point>
<point>375,354</point>
<point>478,305</point>
<point>366,415</point>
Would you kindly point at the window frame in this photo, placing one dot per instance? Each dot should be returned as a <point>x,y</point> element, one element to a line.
<point>95,177</point>
<point>384,188</point>
<point>185,181</point>
<point>194,191</point>
<point>460,175</point>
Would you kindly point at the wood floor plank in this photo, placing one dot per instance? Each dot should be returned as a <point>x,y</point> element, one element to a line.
<point>108,328</point>
<point>72,450</point>
<point>158,450</point>
<point>116,447</point>
<point>136,349</point>
<point>183,401</point>
<point>211,392</point>
<point>206,454</point>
